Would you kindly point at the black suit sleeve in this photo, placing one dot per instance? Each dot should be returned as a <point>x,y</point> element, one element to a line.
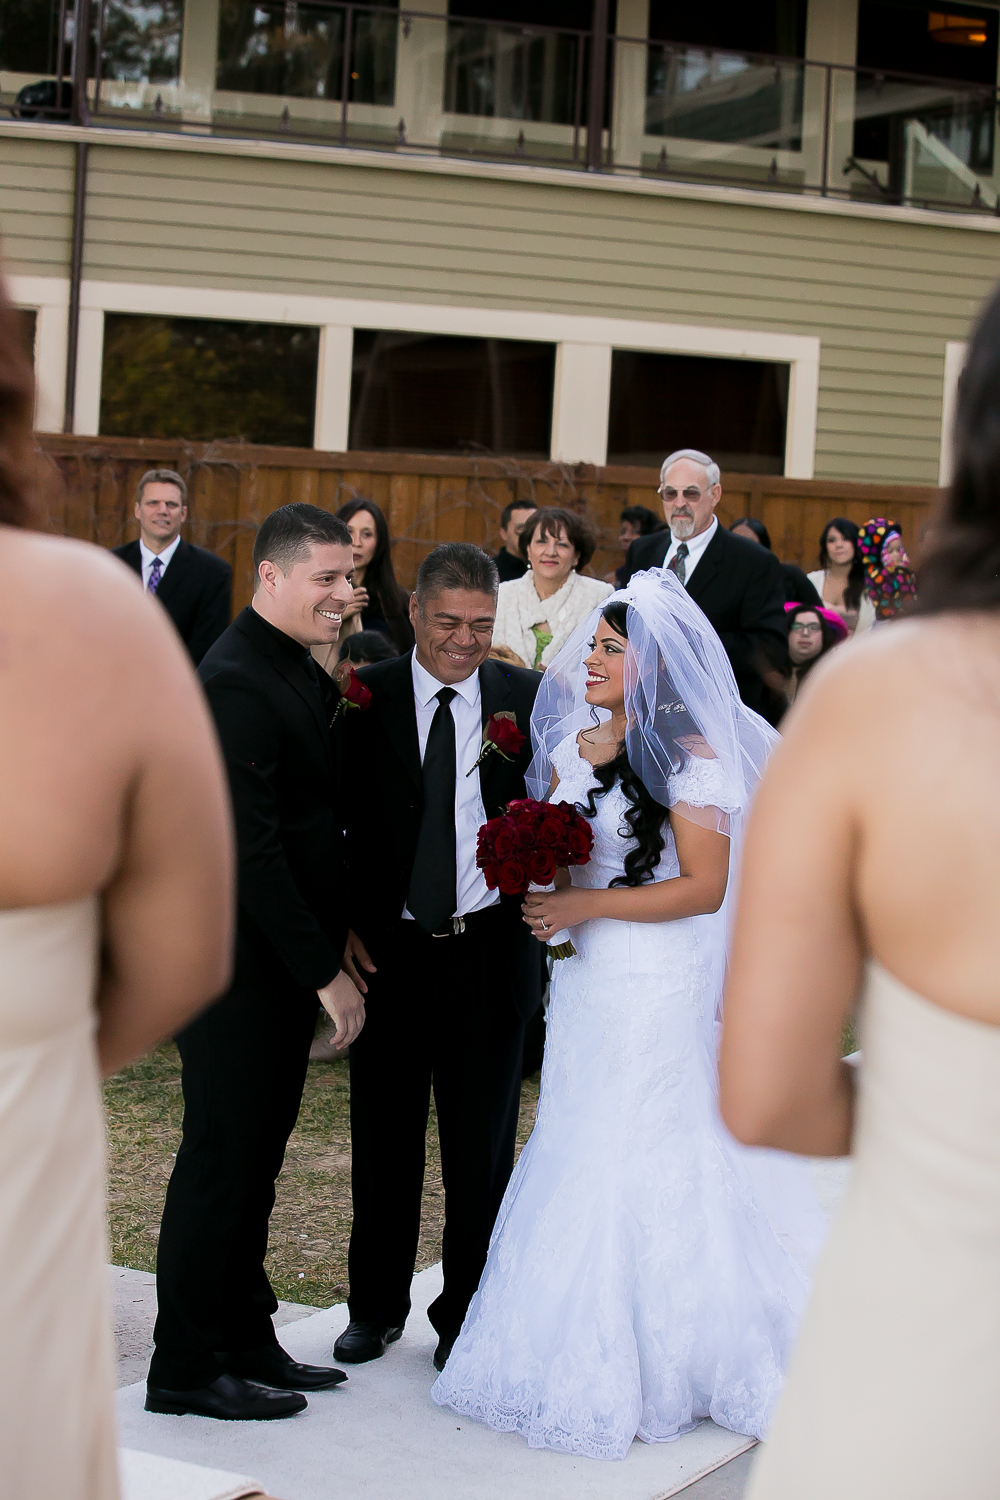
<point>759,639</point>
<point>644,552</point>
<point>215,605</point>
<point>250,732</point>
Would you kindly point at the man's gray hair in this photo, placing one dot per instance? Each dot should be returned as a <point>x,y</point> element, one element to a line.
<point>161,476</point>
<point>712,471</point>
<point>456,565</point>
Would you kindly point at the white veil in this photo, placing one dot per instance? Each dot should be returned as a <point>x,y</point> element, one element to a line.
<point>681,698</point>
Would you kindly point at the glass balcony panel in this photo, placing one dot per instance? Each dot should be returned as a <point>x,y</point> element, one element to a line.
<point>141,42</point>
<point>912,133</point>
<point>510,74</point>
<point>734,98</point>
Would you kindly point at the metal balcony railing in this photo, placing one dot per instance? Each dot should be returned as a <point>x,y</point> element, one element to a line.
<point>390,79</point>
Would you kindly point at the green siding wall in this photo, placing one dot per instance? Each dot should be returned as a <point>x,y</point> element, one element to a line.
<point>883,296</point>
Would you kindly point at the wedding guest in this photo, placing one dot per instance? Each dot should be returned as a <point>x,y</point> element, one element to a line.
<point>379,602</point>
<point>115,927</point>
<point>736,583</point>
<point>840,577</point>
<point>510,563</point>
<point>504,653</point>
<point>454,979</point>
<point>244,1061</point>
<point>795,583</point>
<point>633,522</point>
<point>194,586</point>
<point>366,646</point>
<point>890,583</point>
<point>812,632</point>
<point>898,918</point>
<point>538,613</point>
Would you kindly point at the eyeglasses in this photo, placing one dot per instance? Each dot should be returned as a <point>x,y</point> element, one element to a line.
<point>692,493</point>
<point>802,629</point>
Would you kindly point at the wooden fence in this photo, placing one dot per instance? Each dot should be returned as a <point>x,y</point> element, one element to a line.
<point>426,500</point>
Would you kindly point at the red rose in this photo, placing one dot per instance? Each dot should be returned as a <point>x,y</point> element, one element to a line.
<point>542,866</point>
<point>562,852</point>
<point>355,692</point>
<point>504,843</point>
<point>512,878</point>
<point>578,841</point>
<point>550,831</point>
<point>560,812</point>
<point>505,734</point>
<point>491,870</point>
<point>525,836</point>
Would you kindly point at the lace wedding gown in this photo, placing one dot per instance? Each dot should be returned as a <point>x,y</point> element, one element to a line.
<point>639,1279</point>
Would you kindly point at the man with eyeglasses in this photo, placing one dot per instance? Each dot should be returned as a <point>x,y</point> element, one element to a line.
<point>736,583</point>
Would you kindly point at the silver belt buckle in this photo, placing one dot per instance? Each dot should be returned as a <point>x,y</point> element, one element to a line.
<point>457,926</point>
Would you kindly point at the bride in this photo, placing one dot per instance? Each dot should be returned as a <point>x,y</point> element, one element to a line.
<point>645,1272</point>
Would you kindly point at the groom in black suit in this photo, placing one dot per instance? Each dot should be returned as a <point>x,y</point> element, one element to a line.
<point>736,583</point>
<point>244,1060</point>
<point>452,969</point>
<point>194,586</point>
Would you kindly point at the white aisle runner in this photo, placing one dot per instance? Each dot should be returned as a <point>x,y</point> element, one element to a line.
<point>381,1436</point>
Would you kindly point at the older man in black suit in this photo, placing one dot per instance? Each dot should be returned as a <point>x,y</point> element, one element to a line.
<point>194,586</point>
<point>244,1060</point>
<point>736,583</point>
<point>456,969</point>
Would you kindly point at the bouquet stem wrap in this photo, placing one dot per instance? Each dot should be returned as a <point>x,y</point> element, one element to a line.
<point>560,944</point>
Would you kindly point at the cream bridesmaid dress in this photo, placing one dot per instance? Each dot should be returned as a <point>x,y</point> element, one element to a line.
<point>57,1431</point>
<point>893,1391</point>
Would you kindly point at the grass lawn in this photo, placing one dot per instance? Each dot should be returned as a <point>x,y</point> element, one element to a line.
<point>311,1223</point>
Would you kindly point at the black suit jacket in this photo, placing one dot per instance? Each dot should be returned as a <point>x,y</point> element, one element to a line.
<point>273,717</point>
<point>196,591</point>
<point>738,585</point>
<point>381,761</point>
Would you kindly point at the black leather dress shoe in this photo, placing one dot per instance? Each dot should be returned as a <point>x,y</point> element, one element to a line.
<point>228,1399</point>
<point>272,1366</point>
<point>361,1342</point>
<point>446,1342</point>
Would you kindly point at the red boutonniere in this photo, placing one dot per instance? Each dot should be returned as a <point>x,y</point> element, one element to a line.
<point>353,694</point>
<point>502,735</point>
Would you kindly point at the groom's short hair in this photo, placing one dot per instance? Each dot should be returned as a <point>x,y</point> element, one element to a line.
<point>457,565</point>
<point>291,531</point>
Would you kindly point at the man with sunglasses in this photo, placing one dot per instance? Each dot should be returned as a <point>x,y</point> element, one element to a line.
<point>736,583</point>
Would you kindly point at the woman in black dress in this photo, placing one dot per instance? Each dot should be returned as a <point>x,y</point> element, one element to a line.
<point>379,601</point>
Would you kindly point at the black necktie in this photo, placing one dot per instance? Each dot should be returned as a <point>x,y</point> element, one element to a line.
<point>432,899</point>
<point>677,564</point>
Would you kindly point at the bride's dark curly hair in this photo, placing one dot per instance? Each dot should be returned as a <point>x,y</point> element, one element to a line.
<point>645,816</point>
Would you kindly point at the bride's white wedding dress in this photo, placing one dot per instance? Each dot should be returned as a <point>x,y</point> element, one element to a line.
<point>639,1279</point>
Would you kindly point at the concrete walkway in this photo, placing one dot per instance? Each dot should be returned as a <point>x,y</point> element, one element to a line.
<point>134,1308</point>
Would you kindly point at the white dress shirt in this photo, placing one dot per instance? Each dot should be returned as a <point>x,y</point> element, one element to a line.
<point>470,812</point>
<point>149,558</point>
<point>696,546</point>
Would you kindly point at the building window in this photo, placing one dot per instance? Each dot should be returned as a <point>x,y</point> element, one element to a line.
<point>960,49</point>
<point>202,379</point>
<point>28,320</point>
<point>733,409</point>
<point>431,393</point>
<point>297,51</point>
<point>140,39</point>
<point>713,78</point>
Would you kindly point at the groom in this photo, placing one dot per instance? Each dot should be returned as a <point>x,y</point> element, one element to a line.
<point>456,970</point>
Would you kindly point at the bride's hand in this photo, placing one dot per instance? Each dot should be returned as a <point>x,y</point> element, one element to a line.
<point>546,912</point>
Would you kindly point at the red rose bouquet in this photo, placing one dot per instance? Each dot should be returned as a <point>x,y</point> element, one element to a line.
<point>521,850</point>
